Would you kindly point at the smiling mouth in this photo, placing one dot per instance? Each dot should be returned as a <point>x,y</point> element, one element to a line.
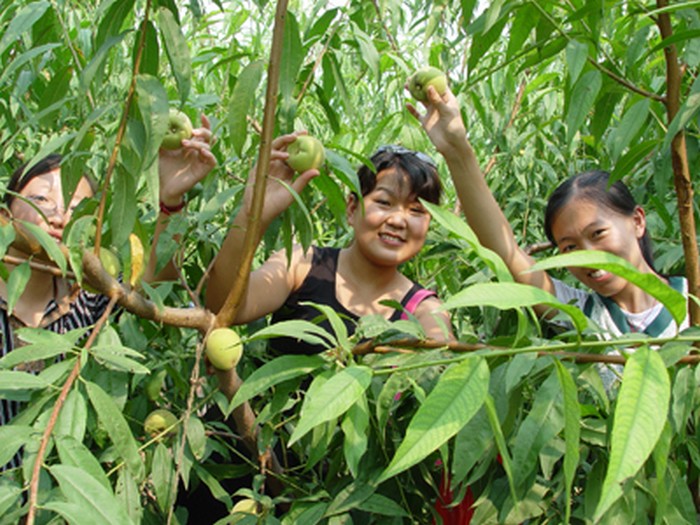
<point>598,275</point>
<point>391,238</point>
<point>56,235</point>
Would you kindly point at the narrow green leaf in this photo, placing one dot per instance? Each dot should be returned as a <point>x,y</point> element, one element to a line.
<point>12,380</point>
<point>49,244</point>
<point>43,344</point>
<point>661,454</point>
<point>196,437</point>
<point>274,372</point>
<point>153,104</point>
<point>674,301</point>
<point>177,50</point>
<point>501,444</point>
<point>24,58</point>
<point>378,504</point>
<point>455,399</point>
<point>583,97</point>
<point>339,329</point>
<point>90,71</point>
<point>368,51</point>
<point>333,399</point>
<point>640,416</point>
<point>354,428</point>
<point>512,295</point>
<point>22,22</point>
<point>162,474</point>
<point>461,229</point>
<point>113,420</point>
<point>350,497</point>
<point>241,101</point>
<point>128,493</point>
<point>630,124</point>
<point>544,420</point>
<point>576,56</point>
<point>19,277</point>
<point>572,431</point>
<point>96,502</point>
<point>74,513</point>
<point>72,419</point>
<point>12,438</point>
<point>124,205</point>
<point>10,493</point>
<point>73,453</point>
<point>688,110</point>
<point>292,57</point>
<point>302,330</point>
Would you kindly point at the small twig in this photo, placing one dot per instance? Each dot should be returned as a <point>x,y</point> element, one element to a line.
<point>537,247</point>
<point>41,267</point>
<point>75,372</point>
<point>122,128</point>
<point>389,36</point>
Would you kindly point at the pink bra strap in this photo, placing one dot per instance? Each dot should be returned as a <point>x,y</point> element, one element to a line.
<point>415,300</point>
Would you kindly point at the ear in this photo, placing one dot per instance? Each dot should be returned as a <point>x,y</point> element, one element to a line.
<point>352,204</point>
<point>639,217</point>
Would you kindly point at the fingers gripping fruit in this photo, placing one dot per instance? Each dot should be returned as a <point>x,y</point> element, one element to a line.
<point>158,421</point>
<point>223,348</point>
<point>306,153</point>
<point>179,129</point>
<point>419,81</point>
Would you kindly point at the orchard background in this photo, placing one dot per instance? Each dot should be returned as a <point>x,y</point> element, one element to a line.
<point>515,413</point>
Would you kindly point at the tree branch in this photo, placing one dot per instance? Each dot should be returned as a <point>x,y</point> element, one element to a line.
<point>679,160</point>
<point>75,372</point>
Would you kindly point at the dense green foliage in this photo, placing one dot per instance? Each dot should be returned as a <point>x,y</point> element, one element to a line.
<point>547,89</point>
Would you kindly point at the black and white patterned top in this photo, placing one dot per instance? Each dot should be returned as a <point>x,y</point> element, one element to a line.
<point>80,312</point>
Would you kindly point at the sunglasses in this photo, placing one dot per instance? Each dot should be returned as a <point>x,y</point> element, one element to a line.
<point>400,150</point>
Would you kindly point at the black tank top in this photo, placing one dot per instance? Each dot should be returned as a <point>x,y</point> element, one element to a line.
<point>319,287</point>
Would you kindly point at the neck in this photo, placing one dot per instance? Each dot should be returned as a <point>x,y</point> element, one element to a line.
<point>359,269</point>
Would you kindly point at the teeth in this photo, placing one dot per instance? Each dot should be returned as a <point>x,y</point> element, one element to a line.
<point>390,237</point>
<point>597,273</point>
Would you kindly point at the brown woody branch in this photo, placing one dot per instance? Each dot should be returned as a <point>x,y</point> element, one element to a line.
<point>679,160</point>
<point>36,470</point>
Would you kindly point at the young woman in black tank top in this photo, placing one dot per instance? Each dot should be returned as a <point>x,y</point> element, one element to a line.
<point>390,226</point>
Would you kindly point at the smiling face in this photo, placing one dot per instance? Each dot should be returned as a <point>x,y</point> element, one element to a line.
<point>584,225</point>
<point>47,209</point>
<point>393,225</point>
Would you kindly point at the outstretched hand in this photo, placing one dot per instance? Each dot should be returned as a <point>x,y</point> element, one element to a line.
<point>442,120</point>
<point>280,178</point>
<point>180,169</point>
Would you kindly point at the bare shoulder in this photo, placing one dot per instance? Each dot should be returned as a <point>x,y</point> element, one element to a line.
<point>296,264</point>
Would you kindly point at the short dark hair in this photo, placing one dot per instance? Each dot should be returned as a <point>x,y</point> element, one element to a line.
<point>595,186</point>
<point>20,178</point>
<point>420,170</point>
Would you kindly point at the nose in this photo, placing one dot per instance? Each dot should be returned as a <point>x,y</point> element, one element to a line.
<point>397,218</point>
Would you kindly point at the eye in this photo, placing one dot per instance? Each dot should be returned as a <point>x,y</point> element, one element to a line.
<point>418,210</point>
<point>382,202</point>
<point>38,198</point>
<point>567,248</point>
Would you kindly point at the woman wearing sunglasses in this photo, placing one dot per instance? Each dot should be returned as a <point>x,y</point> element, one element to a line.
<point>390,226</point>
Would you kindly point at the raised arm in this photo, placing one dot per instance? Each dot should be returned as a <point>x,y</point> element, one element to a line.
<point>443,123</point>
<point>271,283</point>
<point>179,170</point>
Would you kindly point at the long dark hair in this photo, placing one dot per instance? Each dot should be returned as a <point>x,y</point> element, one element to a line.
<point>595,186</point>
<point>418,167</point>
